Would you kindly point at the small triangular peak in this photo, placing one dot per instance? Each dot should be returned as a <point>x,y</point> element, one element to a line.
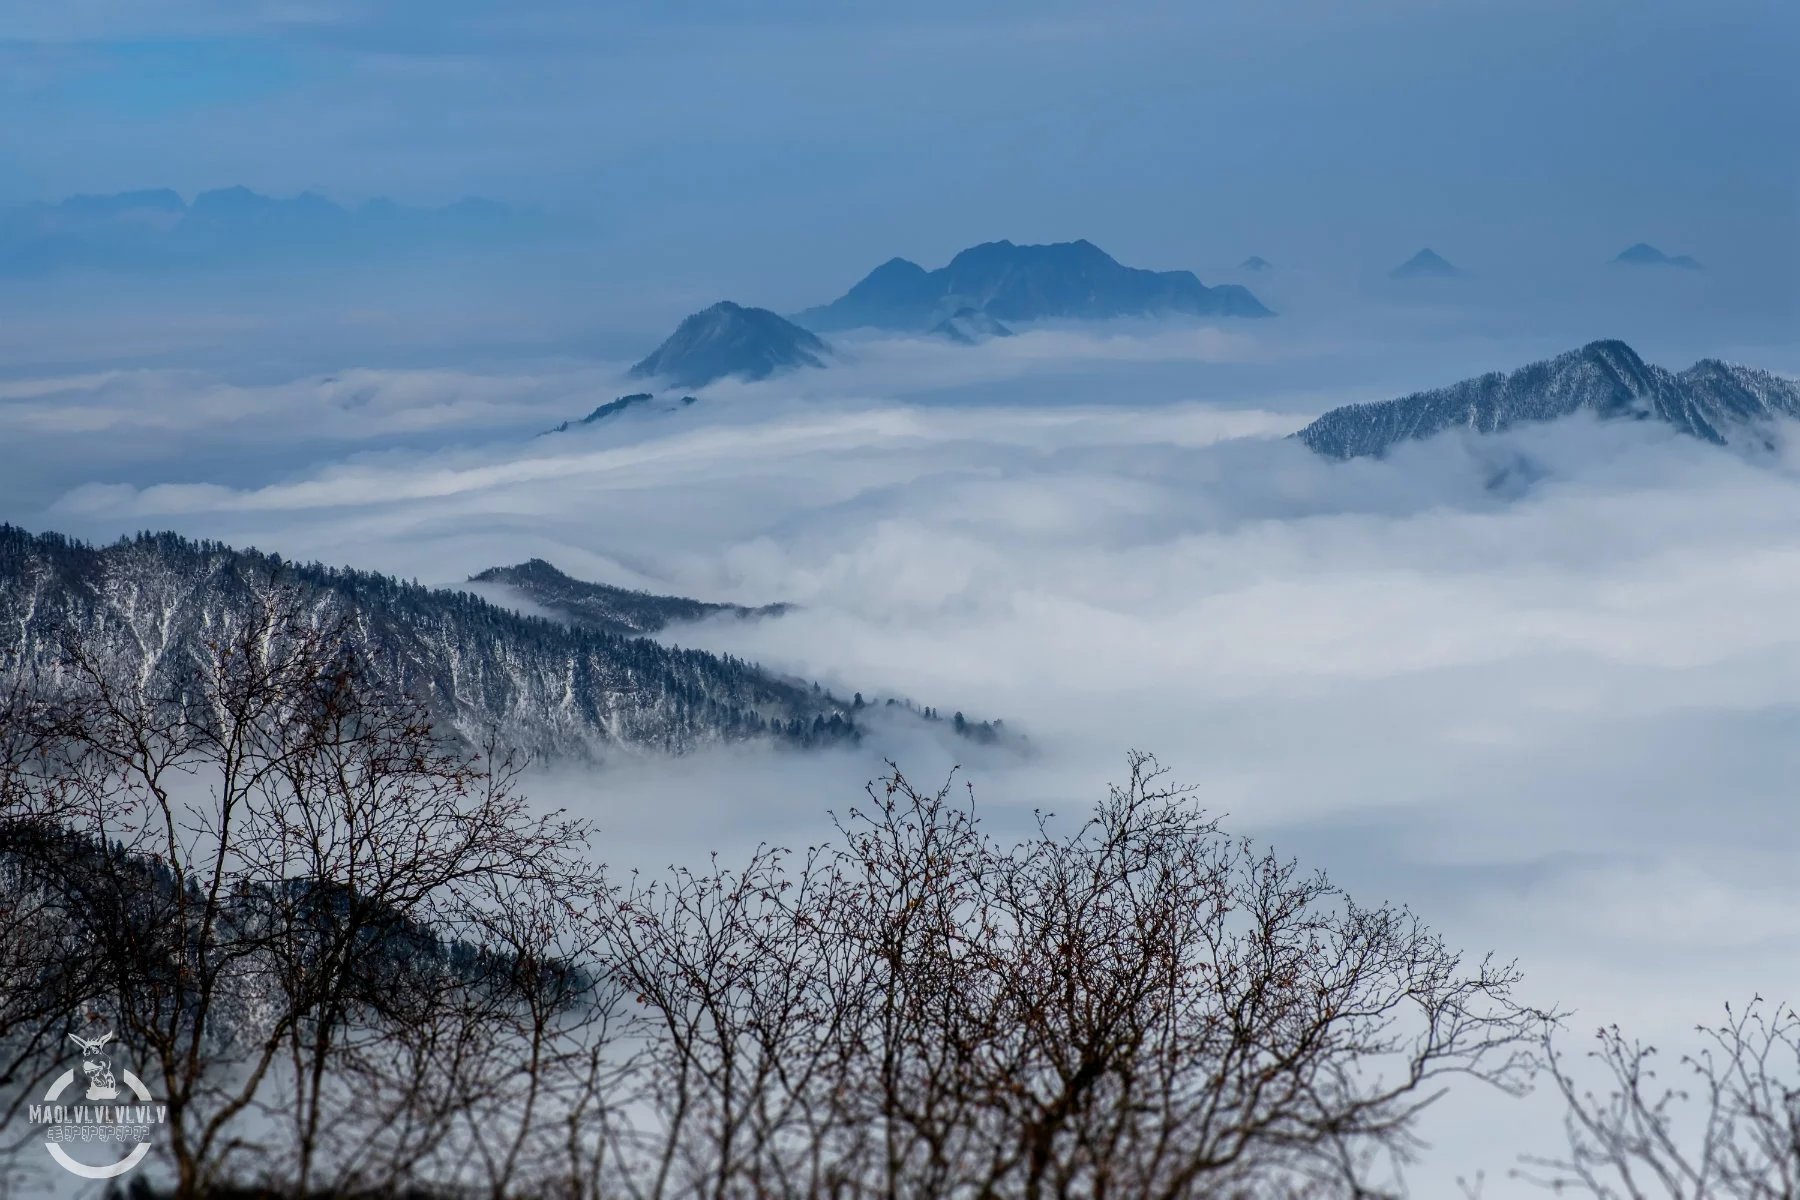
<point>1426,263</point>
<point>728,338</point>
<point>896,266</point>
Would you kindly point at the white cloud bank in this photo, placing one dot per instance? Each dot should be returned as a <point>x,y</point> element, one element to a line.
<point>1545,688</point>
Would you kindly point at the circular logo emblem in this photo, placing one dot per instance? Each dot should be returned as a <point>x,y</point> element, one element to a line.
<point>97,1115</point>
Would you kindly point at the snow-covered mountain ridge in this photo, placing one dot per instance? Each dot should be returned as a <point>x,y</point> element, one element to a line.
<point>1719,402</point>
<point>149,604</point>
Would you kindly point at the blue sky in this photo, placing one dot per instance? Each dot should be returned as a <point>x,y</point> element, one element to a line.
<point>814,139</point>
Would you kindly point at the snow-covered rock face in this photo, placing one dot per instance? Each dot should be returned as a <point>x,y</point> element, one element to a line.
<point>148,606</point>
<point>968,326</point>
<point>1716,401</point>
<point>729,339</point>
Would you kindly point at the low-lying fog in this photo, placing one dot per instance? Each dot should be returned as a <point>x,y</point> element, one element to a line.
<point>1543,688</point>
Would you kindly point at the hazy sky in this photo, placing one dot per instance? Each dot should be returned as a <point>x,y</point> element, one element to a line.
<point>789,145</point>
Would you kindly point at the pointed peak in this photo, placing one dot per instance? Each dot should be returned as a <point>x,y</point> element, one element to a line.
<point>1428,261</point>
<point>730,339</point>
<point>1023,282</point>
<point>1612,355</point>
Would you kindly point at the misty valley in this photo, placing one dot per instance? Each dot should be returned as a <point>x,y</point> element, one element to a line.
<point>618,602</point>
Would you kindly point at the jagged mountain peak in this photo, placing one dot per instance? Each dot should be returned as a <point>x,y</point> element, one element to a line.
<point>1079,251</point>
<point>1711,400</point>
<point>1013,282</point>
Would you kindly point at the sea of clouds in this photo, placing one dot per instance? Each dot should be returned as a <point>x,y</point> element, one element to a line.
<point>1544,688</point>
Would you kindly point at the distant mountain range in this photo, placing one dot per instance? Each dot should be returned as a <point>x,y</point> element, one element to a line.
<point>157,230</point>
<point>968,327</point>
<point>731,340</point>
<point>1075,280</point>
<point>603,607</point>
<point>1716,401</point>
<point>1427,264</point>
<point>1643,254</point>
<point>583,688</point>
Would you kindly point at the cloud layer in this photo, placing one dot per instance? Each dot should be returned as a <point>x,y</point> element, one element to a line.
<point>1545,688</point>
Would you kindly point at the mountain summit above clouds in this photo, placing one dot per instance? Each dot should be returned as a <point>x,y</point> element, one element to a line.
<point>1427,264</point>
<point>1716,401</point>
<point>731,340</point>
<point>1008,282</point>
<point>1643,254</point>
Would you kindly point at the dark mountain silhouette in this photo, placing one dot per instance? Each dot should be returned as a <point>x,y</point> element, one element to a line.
<point>1712,400</point>
<point>967,326</point>
<point>1643,254</point>
<point>729,339</point>
<point>896,295</point>
<point>1427,264</point>
<point>1024,283</point>
<point>637,401</point>
<point>612,609</point>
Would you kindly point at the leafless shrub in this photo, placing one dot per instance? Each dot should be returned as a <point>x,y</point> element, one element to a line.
<point>1141,1007</point>
<point>1727,1127</point>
